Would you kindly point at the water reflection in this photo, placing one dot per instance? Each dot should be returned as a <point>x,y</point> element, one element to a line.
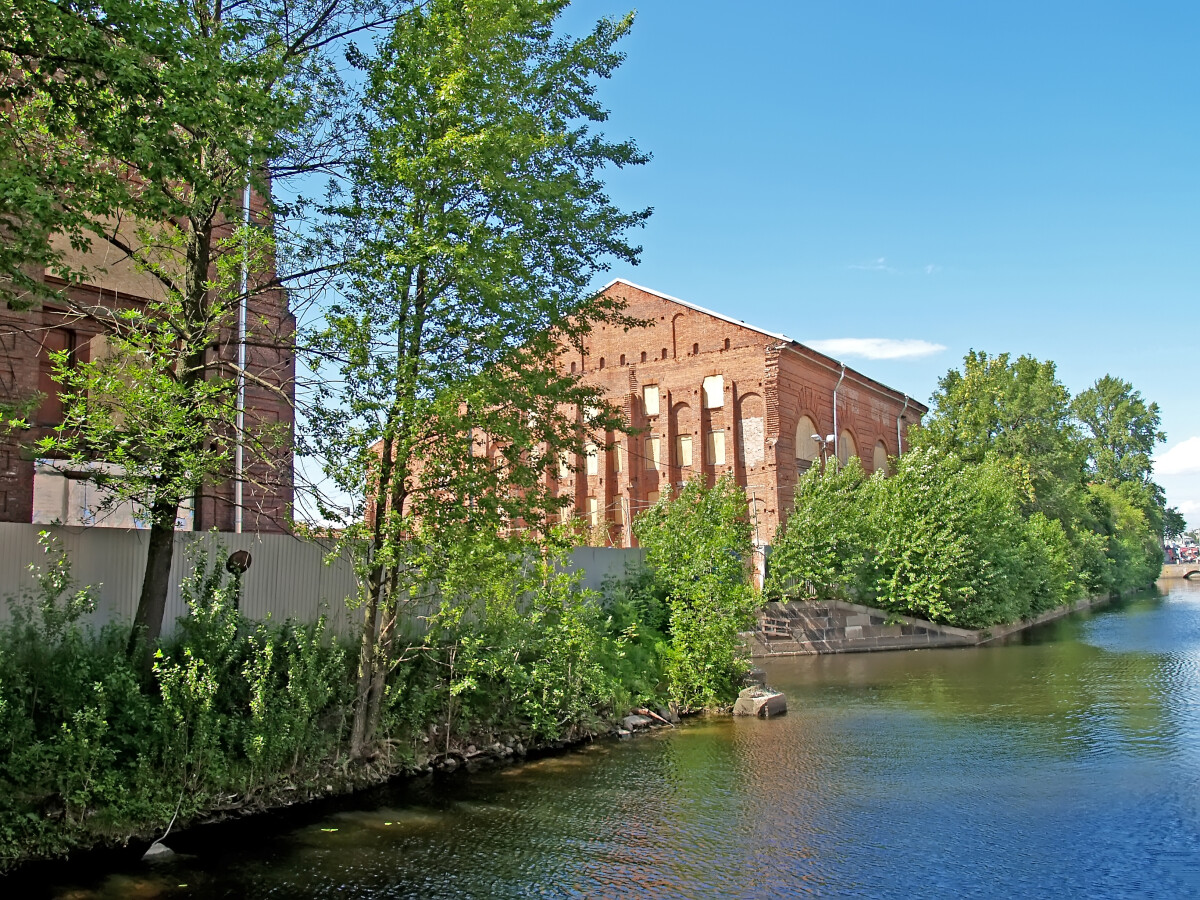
<point>1063,763</point>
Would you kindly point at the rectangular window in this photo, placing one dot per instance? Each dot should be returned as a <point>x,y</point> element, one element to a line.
<point>593,508</point>
<point>650,399</point>
<point>652,497</point>
<point>593,459</point>
<point>714,391</point>
<point>652,445</point>
<point>683,449</point>
<point>619,512</point>
<point>564,514</point>
<point>51,410</point>
<point>716,448</point>
<point>618,456</point>
<point>564,465</point>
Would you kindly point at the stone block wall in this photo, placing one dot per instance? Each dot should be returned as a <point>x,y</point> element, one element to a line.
<point>830,626</point>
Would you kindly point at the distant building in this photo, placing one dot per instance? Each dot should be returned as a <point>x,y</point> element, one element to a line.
<point>46,491</point>
<point>711,395</point>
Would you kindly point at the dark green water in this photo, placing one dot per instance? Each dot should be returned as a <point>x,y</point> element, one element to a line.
<point>1063,764</point>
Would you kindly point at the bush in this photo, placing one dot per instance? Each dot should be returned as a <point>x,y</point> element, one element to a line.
<point>91,754</point>
<point>939,540</point>
<point>698,547</point>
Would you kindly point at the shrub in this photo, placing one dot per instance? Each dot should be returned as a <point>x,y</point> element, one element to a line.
<point>698,547</point>
<point>939,540</point>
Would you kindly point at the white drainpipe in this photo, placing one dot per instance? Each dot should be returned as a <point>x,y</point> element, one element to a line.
<point>239,447</point>
<point>836,435</point>
<point>899,443</point>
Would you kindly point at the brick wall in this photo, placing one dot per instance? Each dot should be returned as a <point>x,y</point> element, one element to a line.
<point>729,400</point>
<point>26,337</point>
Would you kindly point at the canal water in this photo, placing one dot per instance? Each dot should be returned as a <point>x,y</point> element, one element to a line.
<point>1065,763</point>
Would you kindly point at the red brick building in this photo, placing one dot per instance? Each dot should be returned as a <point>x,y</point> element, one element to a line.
<point>707,394</point>
<point>28,337</point>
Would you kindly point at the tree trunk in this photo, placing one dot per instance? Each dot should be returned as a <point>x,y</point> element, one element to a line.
<point>152,604</point>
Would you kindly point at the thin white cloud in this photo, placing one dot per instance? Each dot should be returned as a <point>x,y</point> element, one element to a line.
<point>1189,507</point>
<point>876,348</point>
<point>932,269</point>
<point>1182,459</point>
<point>875,265</point>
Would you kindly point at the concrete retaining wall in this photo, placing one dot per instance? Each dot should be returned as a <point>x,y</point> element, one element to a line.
<point>808,627</point>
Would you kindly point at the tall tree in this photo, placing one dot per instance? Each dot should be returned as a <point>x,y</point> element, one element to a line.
<point>1017,409</point>
<point>134,128</point>
<point>1120,430</point>
<point>475,221</point>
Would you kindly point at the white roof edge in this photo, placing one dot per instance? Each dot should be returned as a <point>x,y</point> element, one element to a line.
<point>707,312</point>
<point>774,334</point>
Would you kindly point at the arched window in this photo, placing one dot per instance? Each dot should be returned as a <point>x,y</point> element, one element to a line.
<point>726,343</point>
<point>807,447</point>
<point>664,353</point>
<point>846,447</point>
<point>622,359</point>
<point>643,356</point>
<point>880,462</point>
<point>695,349</point>
<point>602,362</point>
<point>572,368</point>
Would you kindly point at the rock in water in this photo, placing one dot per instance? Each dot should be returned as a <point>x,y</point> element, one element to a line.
<point>760,701</point>
<point>635,722</point>
<point>158,851</point>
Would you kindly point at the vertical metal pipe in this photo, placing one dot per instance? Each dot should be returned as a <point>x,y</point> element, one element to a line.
<point>239,448</point>
<point>836,435</point>
<point>899,418</point>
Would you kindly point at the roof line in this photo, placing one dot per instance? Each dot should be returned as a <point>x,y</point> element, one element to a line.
<point>708,312</point>
<point>791,343</point>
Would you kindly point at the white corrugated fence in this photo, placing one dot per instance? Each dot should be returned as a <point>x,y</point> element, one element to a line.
<point>289,577</point>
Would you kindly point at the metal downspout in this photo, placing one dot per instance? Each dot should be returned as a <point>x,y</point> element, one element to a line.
<point>899,442</point>
<point>836,435</point>
<point>239,447</point>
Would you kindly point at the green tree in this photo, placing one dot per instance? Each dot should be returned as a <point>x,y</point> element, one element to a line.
<point>1120,430</point>
<point>940,539</point>
<point>698,546</point>
<point>1174,524</point>
<point>474,221</point>
<point>1018,410</point>
<point>135,128</point>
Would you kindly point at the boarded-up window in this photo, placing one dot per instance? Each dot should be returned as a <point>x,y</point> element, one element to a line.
<point>683,449</point>
<point>593,511</point>
<point>650,399</point>
<point>714,391</point>
<point>592,456</point>
<point>564,515</point>
<point>652,497</point>
<point>846,447</point>
<point>619,512</point>
<point>751,443</point>
<point>618,457</point>
<point>652,452</point>
<point>807,441</point>
<point>564,465</point>
<point>715,451</point>
<point>880,462</point>
<point>51,410</point>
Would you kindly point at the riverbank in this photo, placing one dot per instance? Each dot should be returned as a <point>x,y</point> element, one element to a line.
<point>813,627</point>
<point>1048,766</point>
<point>339,786</point>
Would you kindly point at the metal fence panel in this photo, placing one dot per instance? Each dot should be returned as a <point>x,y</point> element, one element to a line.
<point>289,577</point>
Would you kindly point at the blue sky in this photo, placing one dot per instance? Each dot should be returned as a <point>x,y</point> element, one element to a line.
<point>1015,176</point>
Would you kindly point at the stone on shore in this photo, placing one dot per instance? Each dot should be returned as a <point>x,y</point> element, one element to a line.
<point>760,701</point>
